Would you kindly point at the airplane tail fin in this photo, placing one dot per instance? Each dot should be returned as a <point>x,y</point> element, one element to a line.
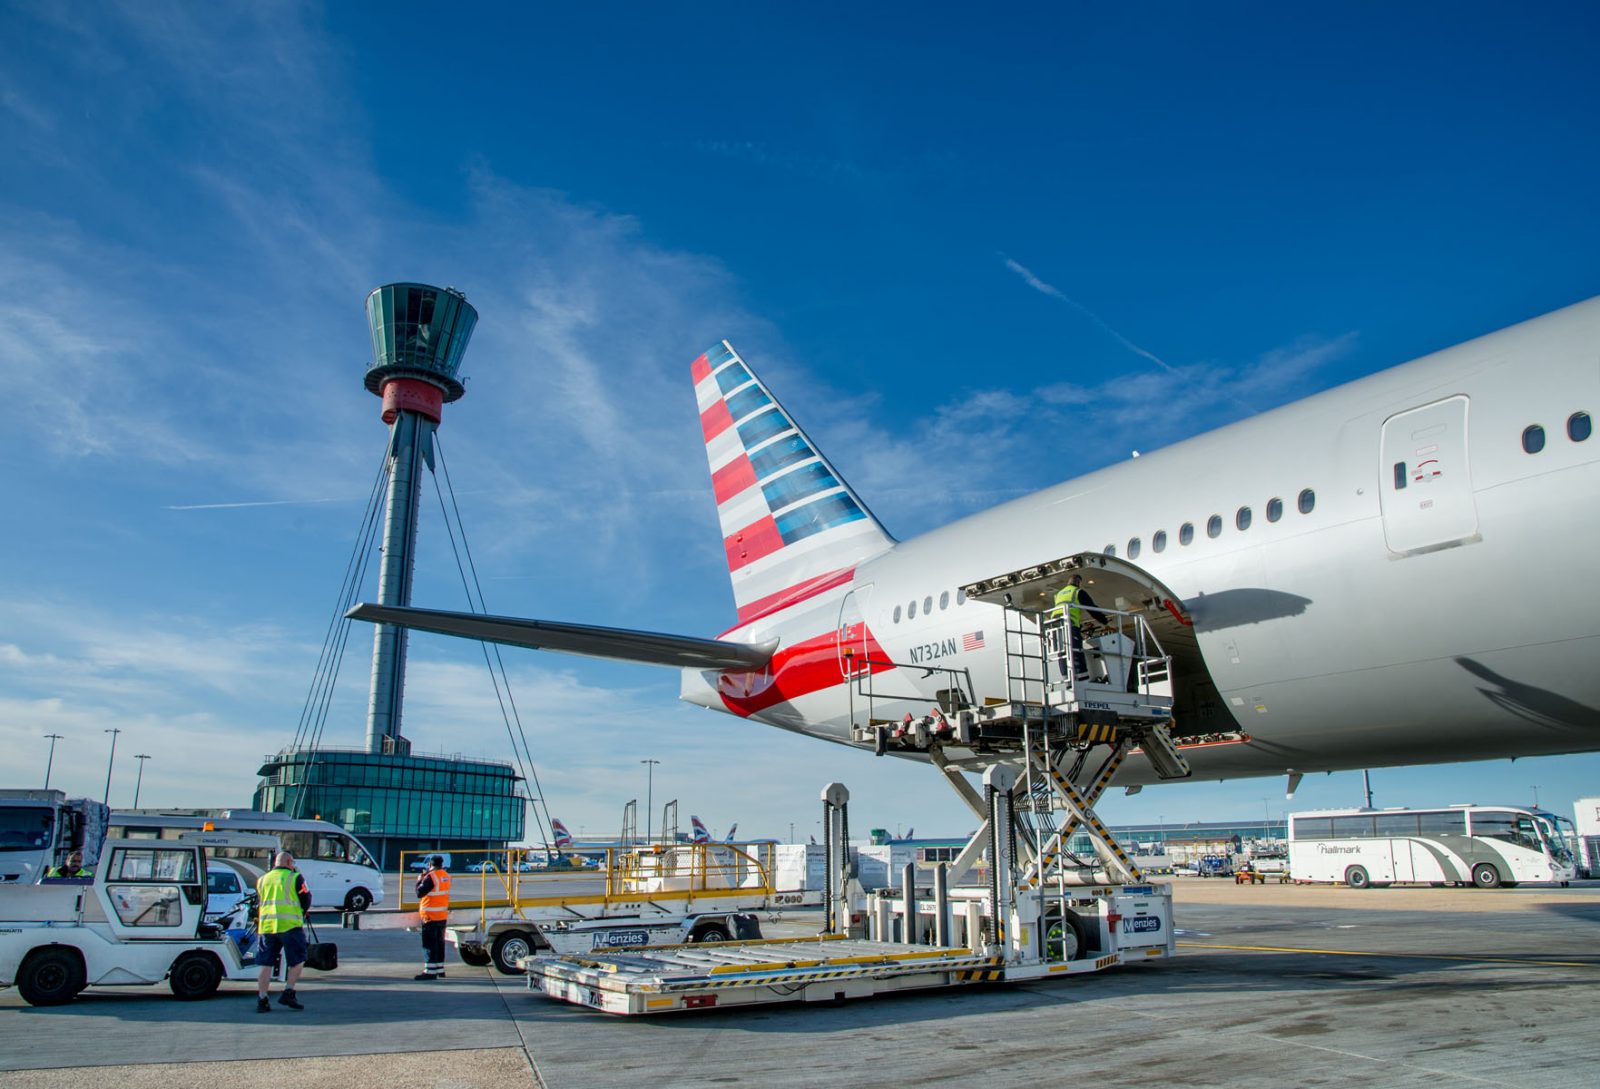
<point>563,837</point>
<point>733,830</point>
<point>700,834</point>
<point>790,524</point>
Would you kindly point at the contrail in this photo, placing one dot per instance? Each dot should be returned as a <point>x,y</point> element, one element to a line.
<point>1055,293</point>
<point>236,506</point>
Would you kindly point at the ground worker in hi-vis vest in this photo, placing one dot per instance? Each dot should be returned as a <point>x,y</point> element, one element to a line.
<point>1071,602</point>
<point>282,901</point>
<point>72,868</point>
<point>433,895</point>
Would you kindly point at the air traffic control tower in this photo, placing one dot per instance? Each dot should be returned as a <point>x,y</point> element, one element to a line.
<point>393,799</point>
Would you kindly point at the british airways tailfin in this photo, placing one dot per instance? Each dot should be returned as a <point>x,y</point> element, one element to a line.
<point>700,833</point>
<point>789,521</point>
<point>559,830</point>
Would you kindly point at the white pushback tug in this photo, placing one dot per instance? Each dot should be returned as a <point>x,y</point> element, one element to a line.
<point>1035,910</point>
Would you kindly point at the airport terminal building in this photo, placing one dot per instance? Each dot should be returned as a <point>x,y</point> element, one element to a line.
<point>395,802</point>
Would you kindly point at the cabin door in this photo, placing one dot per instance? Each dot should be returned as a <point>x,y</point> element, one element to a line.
<point>1426,487</point>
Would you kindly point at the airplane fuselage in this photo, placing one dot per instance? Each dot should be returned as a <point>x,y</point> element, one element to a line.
<point>1381,574</point>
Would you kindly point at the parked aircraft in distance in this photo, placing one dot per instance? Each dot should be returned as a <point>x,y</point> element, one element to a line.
<point>701,834</point>
<point>1399,570</point>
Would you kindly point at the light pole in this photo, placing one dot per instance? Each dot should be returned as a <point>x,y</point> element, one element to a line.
<point>50,762</point>
<point>1366,782</point>
<point>114,731</point>
<point>139,782</point>
<point>649,801</point>
<point>1536,797</point>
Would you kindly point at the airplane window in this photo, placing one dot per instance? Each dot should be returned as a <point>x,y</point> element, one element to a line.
<point>1159,541</point>
<point>1242,519</point>
<point>1532,439</point>
<point>961,597</point>
<point>944,601</point>
<point>1399,475</point>
<point>1274,509</point>
<point>1214,526</point>
<point>1308,499</point>
<point>1111,550</point>
<point>1186,533</point>
<point>911,611</point>
<point>1133,548</point>
<point>927,605</point>
<point>1579,426</point>
<point>897,614</point>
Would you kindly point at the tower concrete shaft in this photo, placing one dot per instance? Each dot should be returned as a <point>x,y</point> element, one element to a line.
<point>419,337</point>
<point>410,450</point>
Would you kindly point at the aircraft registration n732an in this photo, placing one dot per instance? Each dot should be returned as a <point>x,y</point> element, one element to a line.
<point>1400,570</point>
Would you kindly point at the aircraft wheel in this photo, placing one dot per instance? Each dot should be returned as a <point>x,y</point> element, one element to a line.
<point>195,975</point>
<point>507,948</point>
<point>1485,876</point>
<point>51,976</point>
<point>1357,878</point>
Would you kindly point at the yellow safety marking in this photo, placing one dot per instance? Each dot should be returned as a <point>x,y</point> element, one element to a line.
<point>658,1003</point>
<point>1154,952</point>
<point>1398,956</point>
<point>1106,962</point>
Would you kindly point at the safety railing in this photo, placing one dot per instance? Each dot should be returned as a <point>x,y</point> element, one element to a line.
<point>527,879</point>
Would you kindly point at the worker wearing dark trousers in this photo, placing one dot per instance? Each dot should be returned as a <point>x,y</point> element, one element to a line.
<point>433,896</point>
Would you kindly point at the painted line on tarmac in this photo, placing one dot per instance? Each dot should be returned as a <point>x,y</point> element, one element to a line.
<point>1395,956</point>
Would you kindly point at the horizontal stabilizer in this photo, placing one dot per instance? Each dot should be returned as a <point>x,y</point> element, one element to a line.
<point>621,644</point>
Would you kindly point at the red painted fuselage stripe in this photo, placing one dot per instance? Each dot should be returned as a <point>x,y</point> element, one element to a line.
<point>806,667</point>
<point>700,368</point>
<point>793,595</point>
<point>752,542</point>
<point>715,420</point>
<point>733,478</point>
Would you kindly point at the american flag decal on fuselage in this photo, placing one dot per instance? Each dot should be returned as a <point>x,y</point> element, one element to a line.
<point>790,524</point>
<point>972,640</point>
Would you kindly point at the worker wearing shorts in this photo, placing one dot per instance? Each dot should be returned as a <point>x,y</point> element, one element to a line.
<point>283,901</point>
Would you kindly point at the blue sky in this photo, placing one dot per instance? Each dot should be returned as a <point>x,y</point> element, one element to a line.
<point>936,234</point>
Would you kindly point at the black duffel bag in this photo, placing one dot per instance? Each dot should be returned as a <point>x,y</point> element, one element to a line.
<point>321,956</point>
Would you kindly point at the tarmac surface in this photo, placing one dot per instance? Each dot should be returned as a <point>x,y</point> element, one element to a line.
<point>1273,986</point>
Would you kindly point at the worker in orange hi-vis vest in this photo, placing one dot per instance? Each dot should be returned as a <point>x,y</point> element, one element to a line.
<point>433,894</point>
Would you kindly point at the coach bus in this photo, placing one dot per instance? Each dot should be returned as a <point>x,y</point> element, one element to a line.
<point>1489,846</point>
<point>338,870</point>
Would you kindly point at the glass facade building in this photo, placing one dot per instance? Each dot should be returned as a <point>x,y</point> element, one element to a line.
<point>396,802</point>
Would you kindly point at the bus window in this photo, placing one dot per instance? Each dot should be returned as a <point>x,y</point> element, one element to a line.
<point>299,844</point>
<point>1397,824</point>
<point>1512,827</point>
<point>1443,824</point>
<point>331,849</point>
<point>1352,827</point>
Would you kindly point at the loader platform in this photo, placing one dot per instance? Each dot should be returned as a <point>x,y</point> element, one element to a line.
<point>701,976</point>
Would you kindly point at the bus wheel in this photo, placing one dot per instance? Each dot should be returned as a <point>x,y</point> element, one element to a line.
<point>1485,876</point>
<point>1356,877</point>
<point>357,900</point>
<point>510,946</point>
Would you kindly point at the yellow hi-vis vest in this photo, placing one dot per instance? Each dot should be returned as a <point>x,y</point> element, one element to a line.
<point>436,904</point>
<point>1066,599</point>
<point>280,906</point>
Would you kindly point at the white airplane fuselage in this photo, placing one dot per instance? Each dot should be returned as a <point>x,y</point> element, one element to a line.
<point>1454,618</point>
